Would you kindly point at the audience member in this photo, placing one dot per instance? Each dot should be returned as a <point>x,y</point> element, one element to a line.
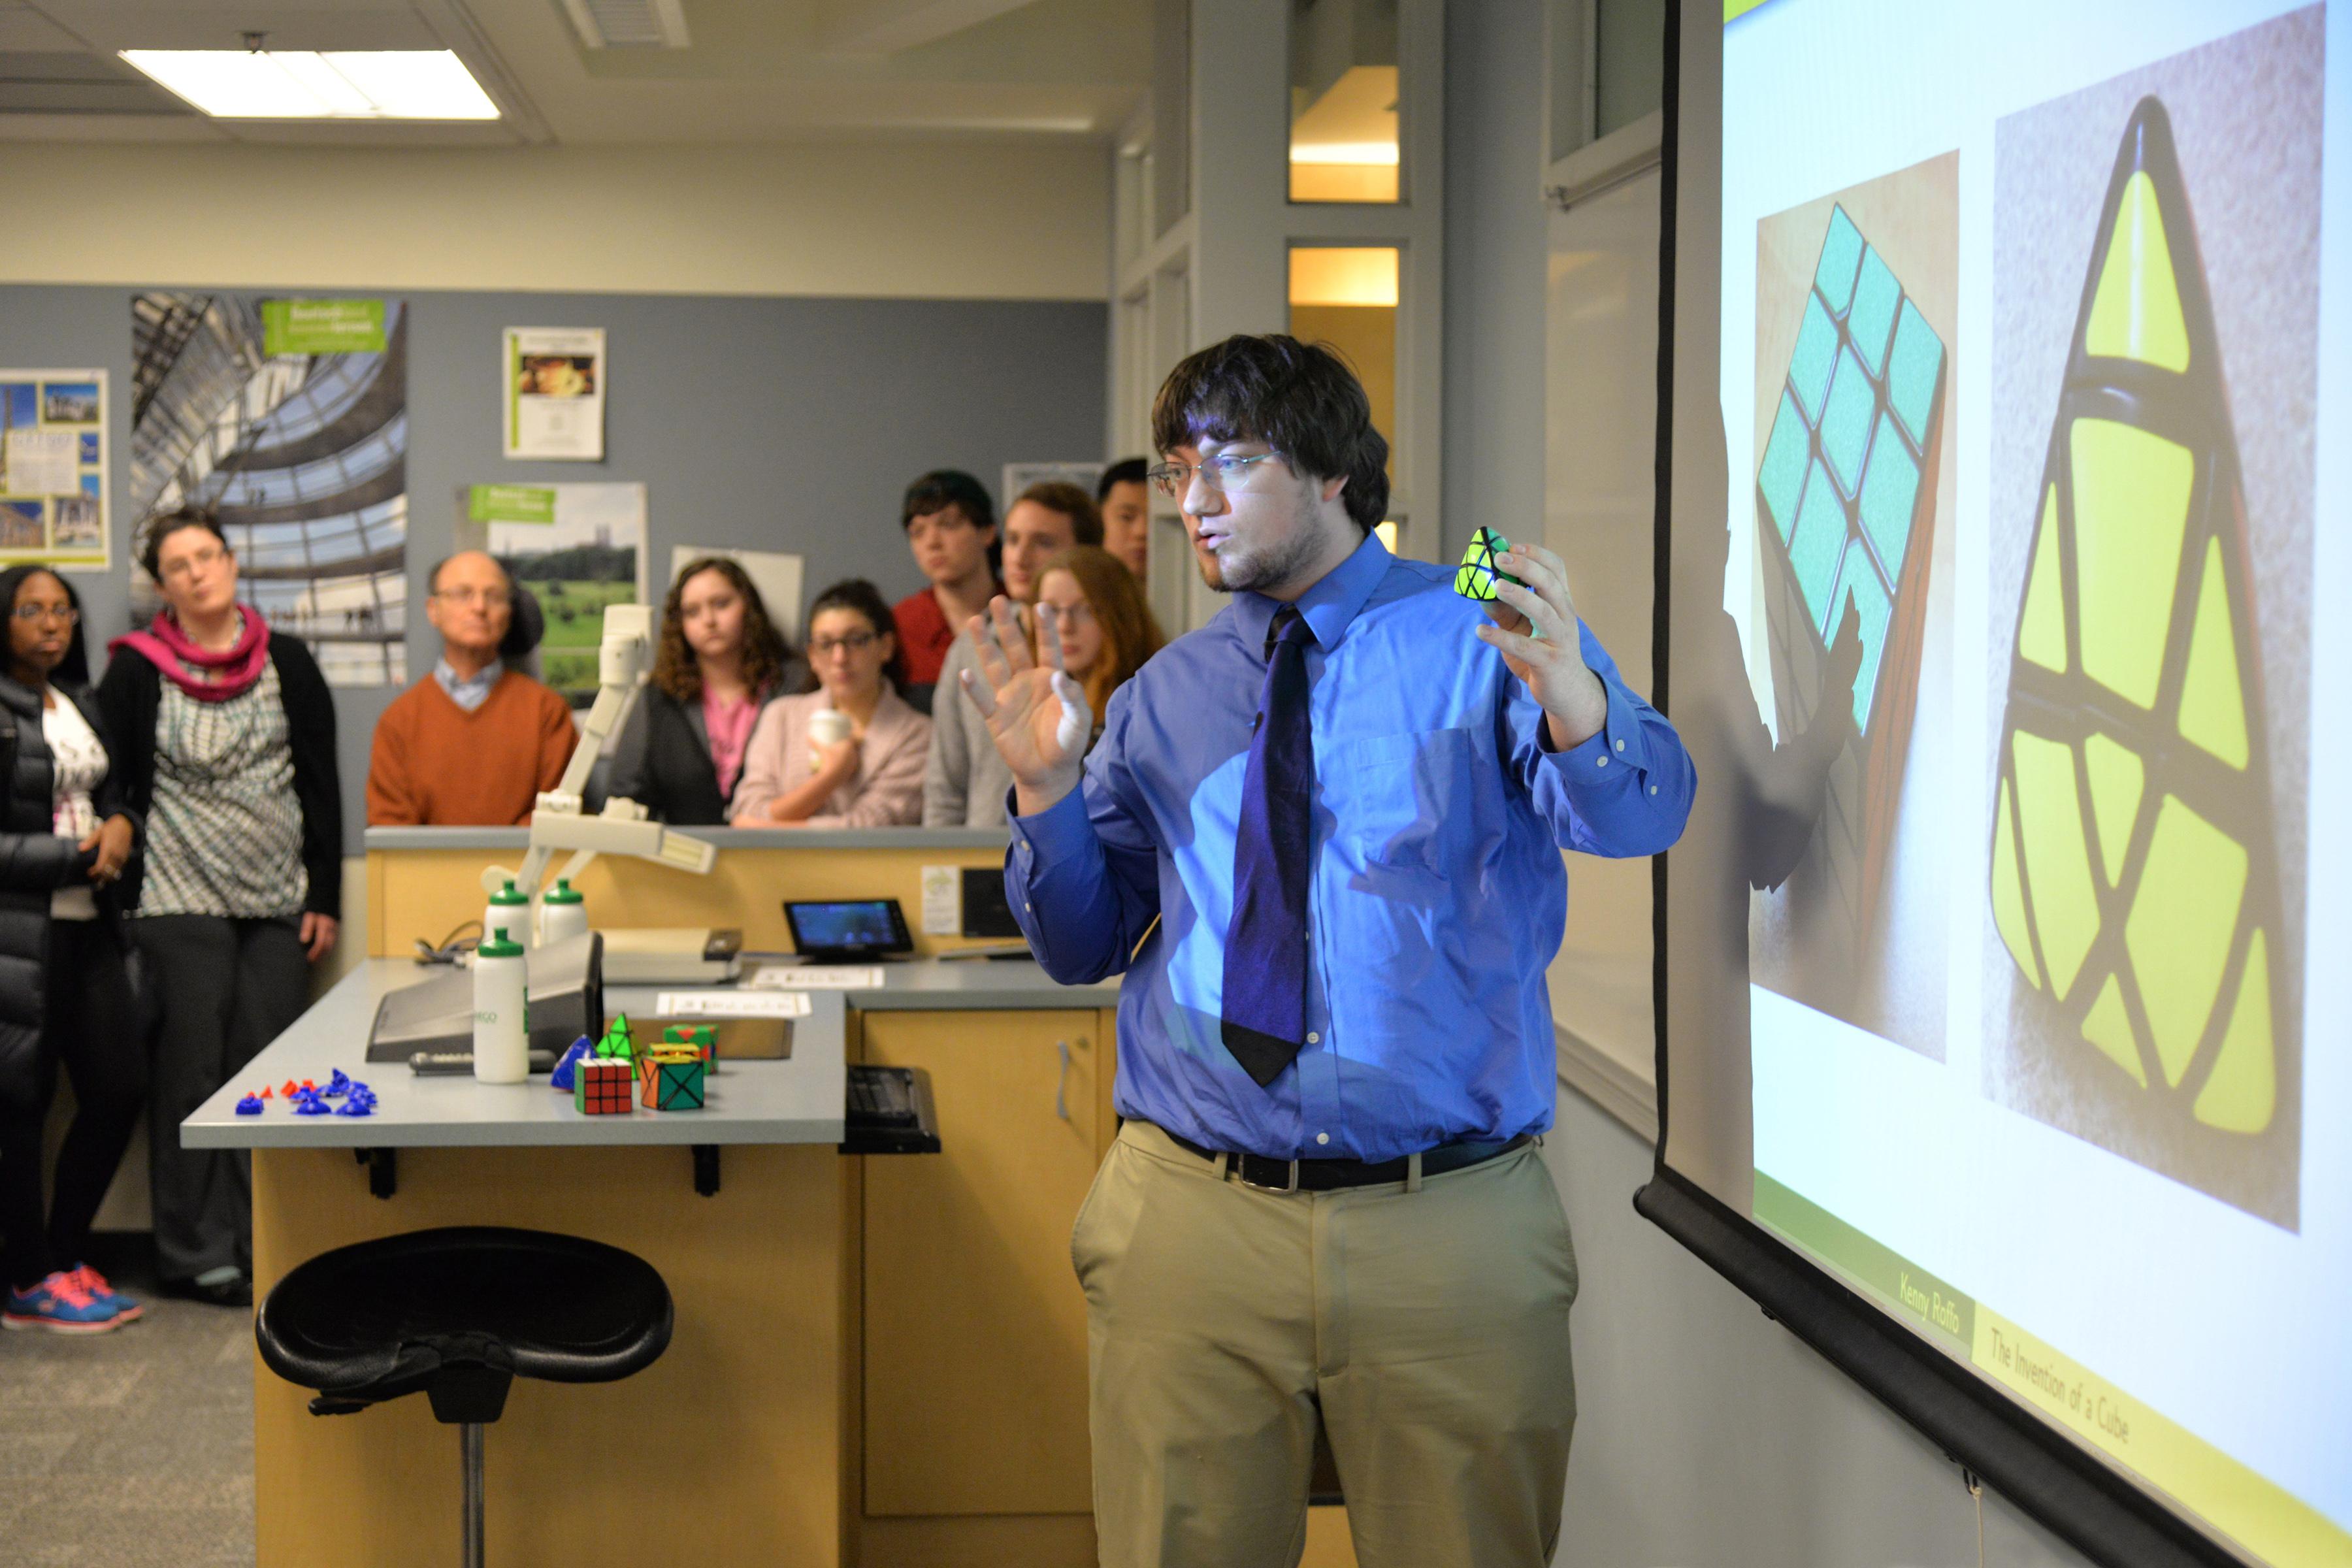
<point>721,659</point>
<point>965,784</point>
<point>951,526</point>
<point>223,733</point>
<point>475,741</point>
<point>64,995</point>
<point>1126,504</point>
<point>850,754</point>
<point>1107,631</point>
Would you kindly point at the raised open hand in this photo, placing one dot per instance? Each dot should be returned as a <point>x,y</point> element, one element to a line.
<point>1036,715</point>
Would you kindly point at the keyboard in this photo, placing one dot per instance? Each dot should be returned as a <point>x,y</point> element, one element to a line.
<point>887,1111</point>
<point>882,1094</point>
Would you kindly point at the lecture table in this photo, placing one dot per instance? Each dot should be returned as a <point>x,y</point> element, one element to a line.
<point>877,1359</point>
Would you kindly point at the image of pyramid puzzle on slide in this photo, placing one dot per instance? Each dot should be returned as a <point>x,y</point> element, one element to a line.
<point>2134,879</point>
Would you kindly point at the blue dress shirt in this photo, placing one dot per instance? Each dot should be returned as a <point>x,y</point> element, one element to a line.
<point>1438,896</point>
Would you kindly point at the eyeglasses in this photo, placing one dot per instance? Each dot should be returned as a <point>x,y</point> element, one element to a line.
<point>856,642</point>
<point>1068,616</point>
<point>66,614</point>
<point>1221,472</point>
<point>203,560</point>
<point>488,598</point>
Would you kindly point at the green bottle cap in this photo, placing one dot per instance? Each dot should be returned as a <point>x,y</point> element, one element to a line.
<point>497,946</point>
<point>562,893</point>
<point>508,895</point>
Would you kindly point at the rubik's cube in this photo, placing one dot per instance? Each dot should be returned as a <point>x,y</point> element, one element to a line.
<point>2134,877</point>
<point>674,1079</point>
<point>600,1086</point>
<point>1845,500</point>
<point>1476,576</point>
<point>701,1037</point>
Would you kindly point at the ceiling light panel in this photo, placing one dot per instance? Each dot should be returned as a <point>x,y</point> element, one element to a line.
<point>281,84</point>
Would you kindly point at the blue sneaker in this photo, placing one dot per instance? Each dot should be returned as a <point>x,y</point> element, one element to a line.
<point>126,1311</point>
<point>61,1304</point>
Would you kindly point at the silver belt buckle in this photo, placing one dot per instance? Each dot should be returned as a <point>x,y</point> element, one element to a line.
<point>1240,1168</point>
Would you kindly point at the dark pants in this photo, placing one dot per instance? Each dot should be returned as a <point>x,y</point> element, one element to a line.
<point>228,987</point>
<point>87,1024</point>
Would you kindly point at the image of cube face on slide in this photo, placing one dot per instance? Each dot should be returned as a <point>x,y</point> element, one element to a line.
<point>1856,301</point>
<point>2152,519</point>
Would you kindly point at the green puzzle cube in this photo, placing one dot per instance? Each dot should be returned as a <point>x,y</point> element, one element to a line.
<point>1476,576</point>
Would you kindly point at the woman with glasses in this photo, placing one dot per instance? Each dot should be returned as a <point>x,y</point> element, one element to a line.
<point>721,660</point>
<point>850,754</point>
<point>1106,629</point>
<point>65,839</point>
<point>224,743</point>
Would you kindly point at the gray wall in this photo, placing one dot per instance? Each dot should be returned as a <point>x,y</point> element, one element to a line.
<point>1708,1436</point>
<point>775,424</point>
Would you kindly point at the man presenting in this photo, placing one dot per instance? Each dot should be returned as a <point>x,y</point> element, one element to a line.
<point>1345,817</point>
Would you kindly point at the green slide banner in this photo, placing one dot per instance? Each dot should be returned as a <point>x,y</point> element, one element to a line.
<point>510,503</point>
<point>322,327</point>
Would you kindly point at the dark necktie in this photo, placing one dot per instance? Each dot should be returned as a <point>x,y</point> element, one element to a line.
<point>1264,1020</point>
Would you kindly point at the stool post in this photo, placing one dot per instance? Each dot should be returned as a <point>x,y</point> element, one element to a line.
<point>469,1444</point>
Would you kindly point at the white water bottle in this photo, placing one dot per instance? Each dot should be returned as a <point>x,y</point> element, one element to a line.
<point>510,908</point>
<point>563,913</point>
<point>501,1012</point>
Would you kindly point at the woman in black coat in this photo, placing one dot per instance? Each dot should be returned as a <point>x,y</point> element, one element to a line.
<point>65,839</point>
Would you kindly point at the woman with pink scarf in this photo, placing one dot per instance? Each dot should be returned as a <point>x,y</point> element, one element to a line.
<point>226,738</point>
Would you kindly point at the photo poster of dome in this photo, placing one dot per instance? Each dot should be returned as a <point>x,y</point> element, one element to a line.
<point>288,420</point>
<point>573,549</point>
<point>553,399</point>
<point>53,470</point>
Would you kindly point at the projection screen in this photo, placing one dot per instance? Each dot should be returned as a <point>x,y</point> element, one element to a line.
<point>2006,1040</point>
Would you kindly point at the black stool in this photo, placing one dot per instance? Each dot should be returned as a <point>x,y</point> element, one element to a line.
<point>460,1313</point>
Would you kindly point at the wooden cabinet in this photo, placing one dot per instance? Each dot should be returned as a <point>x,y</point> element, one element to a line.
<point>975,1329</point>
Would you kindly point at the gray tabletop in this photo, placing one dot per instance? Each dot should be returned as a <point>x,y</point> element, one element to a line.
<point>798,1101</point>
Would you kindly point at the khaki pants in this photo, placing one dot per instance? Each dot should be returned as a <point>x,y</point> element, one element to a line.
<point>1427,1332</point>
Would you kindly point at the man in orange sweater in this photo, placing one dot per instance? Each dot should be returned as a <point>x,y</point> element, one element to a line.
<point>474,742</point>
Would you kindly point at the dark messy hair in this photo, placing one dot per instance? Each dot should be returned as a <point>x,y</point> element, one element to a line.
<point>857,594</point>
<point>151,546</point>
<point>1126,471</point>
<point>74,668</point>
<point>944,487</point>
<point>1300,399</point>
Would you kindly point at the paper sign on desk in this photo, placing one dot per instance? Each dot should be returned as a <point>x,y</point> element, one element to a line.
<point>730,1005</point>
<point>818,977</point>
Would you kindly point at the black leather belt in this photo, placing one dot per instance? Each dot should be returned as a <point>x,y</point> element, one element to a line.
<point>1323,1176</point>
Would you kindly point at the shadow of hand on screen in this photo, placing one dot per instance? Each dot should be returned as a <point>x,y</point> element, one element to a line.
<point>1750,828</point>
<point>1781,786</point>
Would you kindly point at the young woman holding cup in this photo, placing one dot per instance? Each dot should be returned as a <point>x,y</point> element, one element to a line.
<point>850,754</point>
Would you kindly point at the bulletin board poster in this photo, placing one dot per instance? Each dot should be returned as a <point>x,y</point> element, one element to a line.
<point>53,496</point>
<point>554,399</point>
<point>574,549</point>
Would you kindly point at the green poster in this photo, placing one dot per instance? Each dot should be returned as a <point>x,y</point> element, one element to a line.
<point>322,327</point>
<point>510,503</point>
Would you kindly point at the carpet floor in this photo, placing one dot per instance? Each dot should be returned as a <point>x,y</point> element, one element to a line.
<point>134,1447</point>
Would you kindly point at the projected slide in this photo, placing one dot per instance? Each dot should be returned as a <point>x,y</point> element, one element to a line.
<point>2022,715</point>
